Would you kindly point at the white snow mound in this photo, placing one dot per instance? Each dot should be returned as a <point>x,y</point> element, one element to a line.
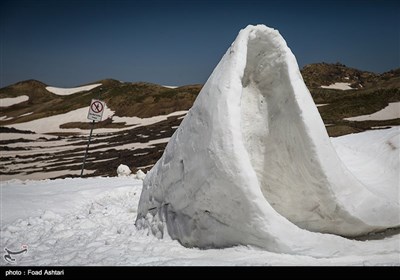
<point>123,170</point>
<point>140,175</point>
<point>252,164</point>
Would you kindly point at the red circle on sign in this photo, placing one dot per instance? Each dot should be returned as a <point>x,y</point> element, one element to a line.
<point>97,106</point>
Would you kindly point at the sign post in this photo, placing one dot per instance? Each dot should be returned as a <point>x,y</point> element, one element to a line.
<point>95,114</point>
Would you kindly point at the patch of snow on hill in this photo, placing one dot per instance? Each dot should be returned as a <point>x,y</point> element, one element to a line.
<point>392,111</point>
<point>26,114</point>
<point>136,121</point>
<point>340,86</point>
<point>52,124</point>
<point>69,91</point>
<point>9,101</point>
<point>5,118</point>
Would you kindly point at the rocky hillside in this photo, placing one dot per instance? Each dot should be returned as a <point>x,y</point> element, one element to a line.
<point>365,93</point>
<point>324,74</point>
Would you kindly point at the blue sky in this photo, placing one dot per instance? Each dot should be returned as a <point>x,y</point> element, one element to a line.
<point>70,43</point>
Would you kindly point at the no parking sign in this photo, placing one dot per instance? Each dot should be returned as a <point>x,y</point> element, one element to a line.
<point>96,110</point>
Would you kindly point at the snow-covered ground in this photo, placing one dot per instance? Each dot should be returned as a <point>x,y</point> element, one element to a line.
<point>69,91</point>
<point>9,101</point>
<point>91,221</point>
<point>374,158</point>
<point>392,111</point>
<point>340,86</point>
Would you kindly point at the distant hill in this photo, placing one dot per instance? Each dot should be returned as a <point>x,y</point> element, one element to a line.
<point>325,74</point>
<point>368,93</point>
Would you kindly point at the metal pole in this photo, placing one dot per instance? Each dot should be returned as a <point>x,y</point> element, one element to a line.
<point>87,148</point>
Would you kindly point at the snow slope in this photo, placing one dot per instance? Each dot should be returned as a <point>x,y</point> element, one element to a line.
<point>9,101</point>
<point>374,158</point>
<point>69,91</point>
<point>252,164</point>
<point>392,111</point>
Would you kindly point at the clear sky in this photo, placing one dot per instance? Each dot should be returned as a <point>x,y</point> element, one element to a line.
<point>70,43</point>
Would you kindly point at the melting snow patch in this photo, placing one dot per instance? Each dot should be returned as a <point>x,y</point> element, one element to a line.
<point>69,91</point>
<point>9,101</point>
<point>392,111</point>
<point>26,114</point>
<point>340,86</point>
<point>4,118</point>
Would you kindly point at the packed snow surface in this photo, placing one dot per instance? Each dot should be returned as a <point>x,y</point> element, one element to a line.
<point>252,164</point>
<point>374,158</point>
<point>340,86</point>
<point>9,101</point>
<point>69,91</point>
<point>392,111</point>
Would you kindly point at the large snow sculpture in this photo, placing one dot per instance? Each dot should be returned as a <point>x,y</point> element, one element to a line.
<point>252,163</point>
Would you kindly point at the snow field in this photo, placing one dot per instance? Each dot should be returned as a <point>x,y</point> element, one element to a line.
<point>91,222</point>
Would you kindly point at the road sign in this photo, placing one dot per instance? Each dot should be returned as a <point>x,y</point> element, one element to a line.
<point>96,110</point>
